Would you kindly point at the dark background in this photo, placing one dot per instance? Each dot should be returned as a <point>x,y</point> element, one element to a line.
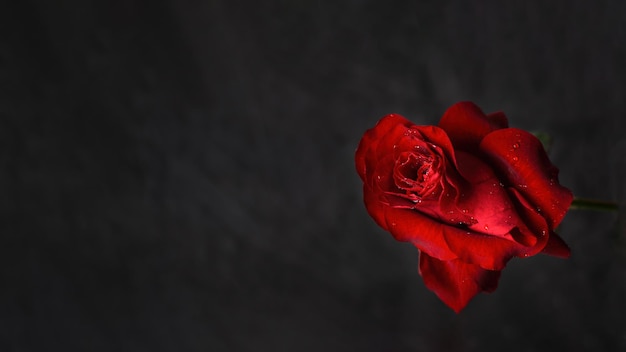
<point>179,175</point>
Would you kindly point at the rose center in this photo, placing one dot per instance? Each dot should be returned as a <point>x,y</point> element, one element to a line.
<point>416,173</point>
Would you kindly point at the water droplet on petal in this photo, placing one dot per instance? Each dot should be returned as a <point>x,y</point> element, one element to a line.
<point>464,211</point>
<point>501,184</point>
<point>516,145</point>
<point>486,227</point>
<point>515,158</point>
<point>393,224</point>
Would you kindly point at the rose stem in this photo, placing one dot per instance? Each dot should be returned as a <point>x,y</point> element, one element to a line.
<point>584,203</point>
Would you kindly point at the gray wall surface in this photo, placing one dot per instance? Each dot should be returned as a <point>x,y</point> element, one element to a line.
<point>179,175</point>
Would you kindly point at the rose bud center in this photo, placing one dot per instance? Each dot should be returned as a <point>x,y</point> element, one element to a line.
<point>417,173</point>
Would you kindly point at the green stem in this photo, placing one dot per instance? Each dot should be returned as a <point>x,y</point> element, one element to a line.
<point>584,203</point>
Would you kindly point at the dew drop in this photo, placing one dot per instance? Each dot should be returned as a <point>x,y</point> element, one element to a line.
<point>395,146</point>
<point>393,224</point>
<point>526,255</point>
<point>515,158</point>
<point>501,184</point>
<point>490,192</point>
<point>464,211</point>
<point>486,227</point>
<point>417,147</point>
<point>516,145</point>
<point>543,233</point>
<point>451,212</point>
<point>378,177</point>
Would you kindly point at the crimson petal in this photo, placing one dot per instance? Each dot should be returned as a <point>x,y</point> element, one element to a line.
<point>556,247</point>
<point>456,282</point>
<point>523,162</point>
<point>466,124</point>
<point>369,141</point>
<point>488,252</point>
<point>423,232</point>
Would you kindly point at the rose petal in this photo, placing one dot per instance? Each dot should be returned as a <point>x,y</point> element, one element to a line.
<point>423,232</point>
<point>532,230</point>
<point>456,282</point>
<point>488,252</point>
<point>556,247</point>
<point>375,208</point>
<point>521,160</point>
<point>498,120</point>
<point>486,201</point>
<point>466,124</point>
<point>369,141</point>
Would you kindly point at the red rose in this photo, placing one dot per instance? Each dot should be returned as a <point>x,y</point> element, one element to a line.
<point>470,194</point>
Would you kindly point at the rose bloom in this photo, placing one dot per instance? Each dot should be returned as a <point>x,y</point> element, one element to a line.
<point>470,194</point>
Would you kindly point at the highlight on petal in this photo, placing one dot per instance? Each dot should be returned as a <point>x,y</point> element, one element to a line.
<point>456,282</point>
<point>466,124</point>
<point>523,163</point>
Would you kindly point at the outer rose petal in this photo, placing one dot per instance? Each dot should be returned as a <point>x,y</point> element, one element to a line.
<point>370,140</point>
<point>488,252</point>
<point>374,207</point>
<point>466,124</point>
<point>424,232</point>
<point>556,247</point>
<point>456,282</point>
<point>522,161</point>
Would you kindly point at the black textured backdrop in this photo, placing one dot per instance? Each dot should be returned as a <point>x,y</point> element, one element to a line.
<point>179,176</point>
